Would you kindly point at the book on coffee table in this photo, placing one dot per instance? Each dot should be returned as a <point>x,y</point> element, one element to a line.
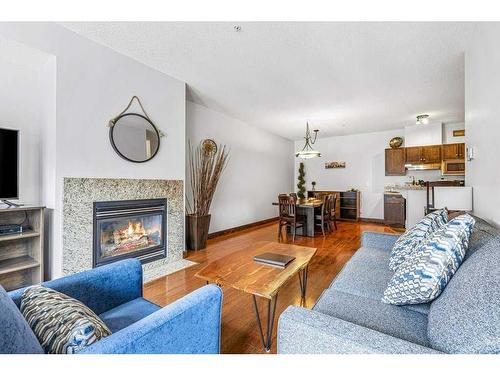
<point>273,259</point>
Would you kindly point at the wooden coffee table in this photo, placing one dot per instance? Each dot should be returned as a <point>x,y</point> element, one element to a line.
<point>241,272</point>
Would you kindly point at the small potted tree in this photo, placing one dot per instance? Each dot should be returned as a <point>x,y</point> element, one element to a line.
<point>301,185</point>
<point>206,162</point>
<point>313,185</point>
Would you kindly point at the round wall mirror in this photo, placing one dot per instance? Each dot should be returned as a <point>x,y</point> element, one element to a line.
<point>134,137</point>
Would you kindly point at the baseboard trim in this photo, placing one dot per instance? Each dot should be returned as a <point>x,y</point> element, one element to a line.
<point>241,227</point>
<point>267,221</point>
<point>372,220</point>
<point>382,222</point>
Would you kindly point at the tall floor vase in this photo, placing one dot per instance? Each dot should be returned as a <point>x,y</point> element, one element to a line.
<point>197,231</point>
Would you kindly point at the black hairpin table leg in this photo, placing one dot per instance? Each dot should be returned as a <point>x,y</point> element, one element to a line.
<point>271,310</point>
<point>303,274</point>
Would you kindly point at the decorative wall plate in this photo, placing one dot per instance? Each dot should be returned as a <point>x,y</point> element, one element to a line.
<point>396,142</point>
<point>209,146</point>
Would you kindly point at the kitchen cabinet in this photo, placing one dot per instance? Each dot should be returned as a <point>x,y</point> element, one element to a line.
<point>431,154</point>
<point>461,150</point>
<point>413,155</point>
<point>426,157</point>
<point>394,210</point>
<point>423,154</point>
<point>453,151</point>
<point>395,162</point>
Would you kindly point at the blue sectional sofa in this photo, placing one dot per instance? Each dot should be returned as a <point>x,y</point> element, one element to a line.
<point>349,317</point>
<point>114,292</point>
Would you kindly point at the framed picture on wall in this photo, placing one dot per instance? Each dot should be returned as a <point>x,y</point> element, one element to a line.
<point>335,164</point>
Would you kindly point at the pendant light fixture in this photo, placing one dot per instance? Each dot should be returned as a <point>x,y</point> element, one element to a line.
<point>307,151</point>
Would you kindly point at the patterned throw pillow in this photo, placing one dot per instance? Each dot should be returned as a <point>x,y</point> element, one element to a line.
<point>61,324</point>
<point>423,276</point>
<point>413,237</point>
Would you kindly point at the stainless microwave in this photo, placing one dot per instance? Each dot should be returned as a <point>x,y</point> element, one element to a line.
<point>453,167</point>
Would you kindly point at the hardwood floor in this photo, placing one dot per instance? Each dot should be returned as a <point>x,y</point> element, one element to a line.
<point>239,325</point>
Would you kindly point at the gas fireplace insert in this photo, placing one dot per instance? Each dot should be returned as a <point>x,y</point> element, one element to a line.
<point>129,229</point>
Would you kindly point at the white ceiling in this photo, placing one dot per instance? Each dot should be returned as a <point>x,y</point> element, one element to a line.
<point>343,77</point>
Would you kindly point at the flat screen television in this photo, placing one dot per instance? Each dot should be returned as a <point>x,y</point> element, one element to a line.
<point>9,164</point>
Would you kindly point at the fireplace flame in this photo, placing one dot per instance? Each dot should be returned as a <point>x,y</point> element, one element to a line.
<point>130,230</point>
<point>134,230</point>
<point>131,235</point>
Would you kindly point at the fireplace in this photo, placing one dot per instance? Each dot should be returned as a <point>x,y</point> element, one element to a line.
<point>129,229</point>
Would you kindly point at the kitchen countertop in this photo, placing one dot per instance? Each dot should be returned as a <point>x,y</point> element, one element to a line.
<point>397,188</point>
<point>392,193</point>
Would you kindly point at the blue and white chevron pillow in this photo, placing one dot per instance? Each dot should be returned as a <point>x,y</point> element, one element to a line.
<point>413,237</point>
<point>423,276</point>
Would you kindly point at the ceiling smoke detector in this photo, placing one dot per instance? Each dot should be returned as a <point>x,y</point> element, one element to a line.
<point>422,119</point>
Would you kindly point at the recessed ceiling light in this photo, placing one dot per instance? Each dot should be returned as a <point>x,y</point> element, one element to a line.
<point>237,28</point>
<point>422,119</point>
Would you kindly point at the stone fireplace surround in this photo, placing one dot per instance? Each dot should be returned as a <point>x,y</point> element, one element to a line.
<point>79,194</point>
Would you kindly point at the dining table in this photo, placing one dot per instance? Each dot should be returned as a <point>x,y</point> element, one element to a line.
<point>306,207</point>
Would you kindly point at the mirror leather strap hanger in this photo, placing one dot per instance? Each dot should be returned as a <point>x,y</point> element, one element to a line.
<point>112,122</point>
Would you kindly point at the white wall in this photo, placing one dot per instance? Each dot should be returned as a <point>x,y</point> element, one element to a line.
<point>260,167</point>
<point>20,108</point>
<point>432,134</point>
<point>423,135</point>
<point>482,120</point>
<point>448,132</point>
<point>48,135</point>
<point>365,168</point>
<point>27,103</point>
<point>93,84</point>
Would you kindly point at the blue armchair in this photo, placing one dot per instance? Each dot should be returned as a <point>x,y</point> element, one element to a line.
<point>114,292</point>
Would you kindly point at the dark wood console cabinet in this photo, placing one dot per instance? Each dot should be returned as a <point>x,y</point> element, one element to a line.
<point>347,205</point>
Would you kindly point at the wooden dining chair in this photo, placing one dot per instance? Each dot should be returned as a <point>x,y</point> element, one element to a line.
<point>319,194</point>
<point>323,217</point>
<point>288,214</point>
<point>319,219</point>
<point>331,210</point>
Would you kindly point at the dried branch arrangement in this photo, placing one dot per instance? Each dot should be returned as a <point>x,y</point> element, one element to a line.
<point>206,167</point>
